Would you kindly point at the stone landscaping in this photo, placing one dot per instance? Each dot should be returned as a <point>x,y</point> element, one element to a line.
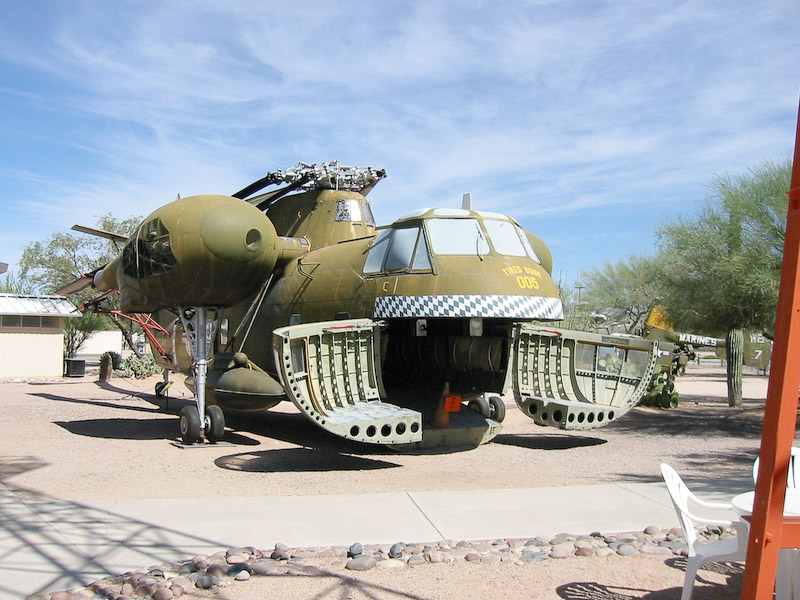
<point>224,568</point>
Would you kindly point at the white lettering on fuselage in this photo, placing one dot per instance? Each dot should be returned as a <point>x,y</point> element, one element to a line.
<point>696,340</point>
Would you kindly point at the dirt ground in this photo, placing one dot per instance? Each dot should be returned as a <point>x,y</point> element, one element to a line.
<point>81,440</point>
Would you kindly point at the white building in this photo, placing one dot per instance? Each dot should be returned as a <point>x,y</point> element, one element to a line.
<point>32,335</point>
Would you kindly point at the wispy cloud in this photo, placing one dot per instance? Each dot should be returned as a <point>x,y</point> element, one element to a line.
<point>539,108</point>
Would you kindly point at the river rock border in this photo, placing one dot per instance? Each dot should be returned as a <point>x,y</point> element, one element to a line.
<point>172,580</point>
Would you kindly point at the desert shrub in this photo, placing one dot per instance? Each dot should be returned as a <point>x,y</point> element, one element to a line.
<point>116,359</point>
<point>139,368</point>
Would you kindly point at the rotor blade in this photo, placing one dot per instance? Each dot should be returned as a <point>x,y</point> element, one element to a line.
<point>264,200</point>
<point>254,187</point>
<point>109,235</point>
<point>76,286</point>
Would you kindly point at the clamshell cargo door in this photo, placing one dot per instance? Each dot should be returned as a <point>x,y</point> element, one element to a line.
<point>578,380</point>
<point>331,371</point>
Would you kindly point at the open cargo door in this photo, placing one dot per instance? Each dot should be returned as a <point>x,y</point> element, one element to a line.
<point>331,371</point>
<point>578,380</point>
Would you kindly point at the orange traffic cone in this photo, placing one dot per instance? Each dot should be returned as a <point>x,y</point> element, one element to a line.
<point>442,418</point>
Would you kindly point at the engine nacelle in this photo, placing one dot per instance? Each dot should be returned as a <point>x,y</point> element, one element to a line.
<point>197,251</point>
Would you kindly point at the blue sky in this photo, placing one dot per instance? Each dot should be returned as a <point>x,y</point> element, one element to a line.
<point>588,121</point>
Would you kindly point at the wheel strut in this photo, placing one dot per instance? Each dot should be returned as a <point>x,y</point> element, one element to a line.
<point>200,324</point>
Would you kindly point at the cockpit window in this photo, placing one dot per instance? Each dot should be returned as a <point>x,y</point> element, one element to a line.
<point>508,239</point>
<point>457,236</point>
<point>397,250</point>
<point>368,218</point>
<point>401,250</point>
<point>505,238</point>
<point>528,247</point>
<point>350,210</point>
<point>377,252</point>
<point>422,260</point>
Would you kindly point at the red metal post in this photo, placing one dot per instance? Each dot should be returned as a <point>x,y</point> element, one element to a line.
<point>768,526</point>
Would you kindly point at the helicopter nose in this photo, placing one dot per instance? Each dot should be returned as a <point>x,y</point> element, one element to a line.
<point>236,231</point>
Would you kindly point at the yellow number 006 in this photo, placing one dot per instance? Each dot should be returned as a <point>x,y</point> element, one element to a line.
<point>528,283</point>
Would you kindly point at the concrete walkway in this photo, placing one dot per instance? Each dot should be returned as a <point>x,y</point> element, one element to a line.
<point>55,545</point>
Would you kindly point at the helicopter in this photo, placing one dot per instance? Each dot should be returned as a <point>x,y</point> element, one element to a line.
<point>756,350</point>
<point>405,335</point>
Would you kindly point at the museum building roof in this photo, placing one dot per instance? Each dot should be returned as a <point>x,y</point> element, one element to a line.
<point>53,306</point>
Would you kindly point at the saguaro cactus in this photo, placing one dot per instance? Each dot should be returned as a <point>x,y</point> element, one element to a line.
<point>734,347</point>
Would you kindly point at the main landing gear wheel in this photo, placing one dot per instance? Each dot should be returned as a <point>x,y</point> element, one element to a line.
<point>190,425</point>
<point>497,408</point>
<point>215,423</point>
<point>489,406</point>
<point>481,406</point>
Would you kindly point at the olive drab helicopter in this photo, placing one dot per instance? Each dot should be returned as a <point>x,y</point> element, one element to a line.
<point>756,349</point>
<point>405,335</point>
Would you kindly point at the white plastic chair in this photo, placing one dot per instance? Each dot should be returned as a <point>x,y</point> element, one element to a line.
<point>792,474</point>
<point>733,549</point>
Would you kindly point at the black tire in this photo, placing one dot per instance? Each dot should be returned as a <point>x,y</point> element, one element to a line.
<point>497,408</point>
<point>216,423</point>
<point>160,388</point>
<point>480,405</point>
<point>190,425</point>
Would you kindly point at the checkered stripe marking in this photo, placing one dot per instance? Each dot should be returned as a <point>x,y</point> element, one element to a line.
<point>517,307</point>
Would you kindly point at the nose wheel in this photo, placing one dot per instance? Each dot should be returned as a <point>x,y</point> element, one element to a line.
<point>192,429</point>
<point>200,324</point>
<point>190,425</point>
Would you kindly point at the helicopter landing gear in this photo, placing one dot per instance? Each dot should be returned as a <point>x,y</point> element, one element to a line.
<point>215,424</point>
<point>490,406</point>
<point>192,430</point>
<point>497,408</point>
<point>480,405</point>
<point>200,324</point>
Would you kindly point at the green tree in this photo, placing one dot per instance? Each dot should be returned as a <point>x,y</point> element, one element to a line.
<point>66,257</point>
<point>11,283</point>
<point>77,330</point>
<point>628,285</point>
<point>721,269</point>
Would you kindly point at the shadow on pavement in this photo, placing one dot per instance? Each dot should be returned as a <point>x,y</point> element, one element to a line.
<point>298,460</point>
<point>52,545</point>
<point>533,441</point>
<point>703,588</point>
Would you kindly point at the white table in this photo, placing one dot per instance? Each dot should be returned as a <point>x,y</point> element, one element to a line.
<point>787,580</point>
<point>743,503</point>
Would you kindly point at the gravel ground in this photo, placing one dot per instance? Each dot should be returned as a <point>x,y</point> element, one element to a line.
<point>57,439</point>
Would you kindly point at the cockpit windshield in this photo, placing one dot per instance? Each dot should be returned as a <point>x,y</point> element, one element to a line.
<point>405,249</point>
<point>396,250</point>
<point>457,236</point>
<point>508,239</point>
<point>466,236</point>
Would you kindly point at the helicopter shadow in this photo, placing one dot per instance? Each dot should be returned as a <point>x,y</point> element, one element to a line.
<point>318,449</point>
<point>137,429</point>
<point>533,441</point>
<point>156,408</point>
<point>133,428</point>
<point>299,460</point>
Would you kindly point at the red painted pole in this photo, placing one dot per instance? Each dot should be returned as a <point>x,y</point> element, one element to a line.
<point>780,416</point>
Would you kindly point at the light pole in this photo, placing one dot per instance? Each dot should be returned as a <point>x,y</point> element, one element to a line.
<point>578,286</point>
